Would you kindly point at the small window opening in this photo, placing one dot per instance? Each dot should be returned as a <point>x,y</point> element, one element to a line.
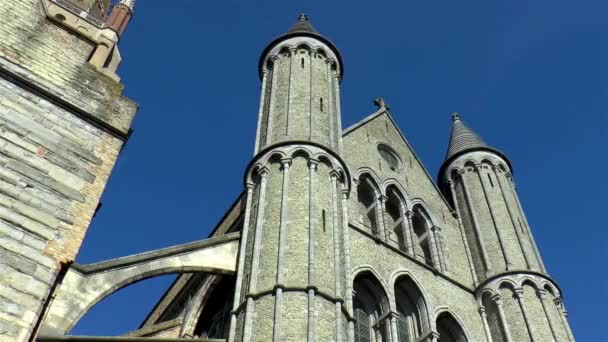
<point>321,103</point>
<point>302,63</point>
<point>490,178</point>
<point>323,216</point>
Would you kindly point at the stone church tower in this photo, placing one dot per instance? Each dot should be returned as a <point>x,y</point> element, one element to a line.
<point>338,235</point>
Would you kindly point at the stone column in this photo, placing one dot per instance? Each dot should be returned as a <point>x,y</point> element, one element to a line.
<point>312,167</point>
<point>281,253</point>
<point>330,109</point>
<point>503,319</point>
<point>261,111</point>
<point>542,296</point>
<point>564,316</point>
<point>433,246</point>
<point>336,231</point>
<point>499,232</point>
<point>482,245</point>
<point>529,231</point>
<point>347,266</point>
<point>410,228</point>
<point>380,202</point>
<point>393,322</point>
<point>338,110</point>
<point>519,295</point>
<point>462,232</point>
<point>255,261</point>
<point>292,54</point>
<point>512,217</point>
<point>484,321</point>
<point>241,265</point>
<point>311,98</point>
<point>405,229</point>
<point>441,248</point>
<point>273,97</point>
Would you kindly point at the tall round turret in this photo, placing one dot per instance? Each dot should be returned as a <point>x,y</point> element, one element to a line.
<point>293,268</point>
<point>518,301</point>
<point>300,73</point>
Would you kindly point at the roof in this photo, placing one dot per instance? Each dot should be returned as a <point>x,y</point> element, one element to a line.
<point>464,140</point>
<point>302,25</point>
<point>302,28</point>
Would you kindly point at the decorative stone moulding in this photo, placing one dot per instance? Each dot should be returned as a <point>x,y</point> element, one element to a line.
<point>287,152</point>
<point>291,44</point>
<point>476,158</point>
<point>516,281</point>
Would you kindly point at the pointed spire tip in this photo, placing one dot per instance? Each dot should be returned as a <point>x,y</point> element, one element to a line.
<point>455,116</point>
<point>303,17</point>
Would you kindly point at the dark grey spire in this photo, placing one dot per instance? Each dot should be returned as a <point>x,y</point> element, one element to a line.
<point>302,25</point>
<point>463,138</point>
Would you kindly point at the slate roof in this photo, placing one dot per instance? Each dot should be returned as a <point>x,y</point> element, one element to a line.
<point>302,25</point>
<point>463,139</point>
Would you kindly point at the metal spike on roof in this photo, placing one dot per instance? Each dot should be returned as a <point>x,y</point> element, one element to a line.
<point>462,138</point>
<point>302,25</point>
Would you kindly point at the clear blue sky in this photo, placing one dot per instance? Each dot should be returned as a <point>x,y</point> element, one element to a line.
<point>531,77</point>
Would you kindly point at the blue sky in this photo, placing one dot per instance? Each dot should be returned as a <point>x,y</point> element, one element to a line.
<point>531,77</point>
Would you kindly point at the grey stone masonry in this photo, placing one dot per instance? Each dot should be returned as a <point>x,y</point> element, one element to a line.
<point>292,279</point>
<point>63,123</point>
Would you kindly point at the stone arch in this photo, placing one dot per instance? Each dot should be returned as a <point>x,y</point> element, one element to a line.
<point>413,308</point>
<point>364,171</point>
<point>284,51</point>
<point>252,175</point>
<point>422,225</point>
<point>402,192</point>
<point>449,327</point>
<point>191,316</point>
<point>489,307</point>
<point>305,46</point>
<point>85,286</point>
<point>395,220</point>
<point>300,151</point>
<point>368,194</point>
<point>370,308</point>
<point>469,163</point>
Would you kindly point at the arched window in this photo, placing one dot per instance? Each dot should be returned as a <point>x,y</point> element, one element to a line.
<point>394,220</point>
<point>412,320</point>
<point>214,320</point>
<point>449,330</point>
<point>422,230</point>
<point>370,309</point>
<point>368,201</point>
<point>389,156</point>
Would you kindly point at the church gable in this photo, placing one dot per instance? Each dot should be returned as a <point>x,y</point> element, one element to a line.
<point>376,144</point>
<point>385,167</point>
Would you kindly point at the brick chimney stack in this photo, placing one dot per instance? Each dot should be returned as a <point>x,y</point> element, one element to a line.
<point>120,16</point>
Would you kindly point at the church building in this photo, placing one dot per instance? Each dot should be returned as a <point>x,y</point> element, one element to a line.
<point>340,234</point>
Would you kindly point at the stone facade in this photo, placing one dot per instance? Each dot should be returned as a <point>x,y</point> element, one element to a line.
<point>339,235</point>
<point>63,123</point>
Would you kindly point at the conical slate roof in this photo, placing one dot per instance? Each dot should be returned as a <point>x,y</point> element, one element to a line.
<point>303,25</point>
<point>463,138</point>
